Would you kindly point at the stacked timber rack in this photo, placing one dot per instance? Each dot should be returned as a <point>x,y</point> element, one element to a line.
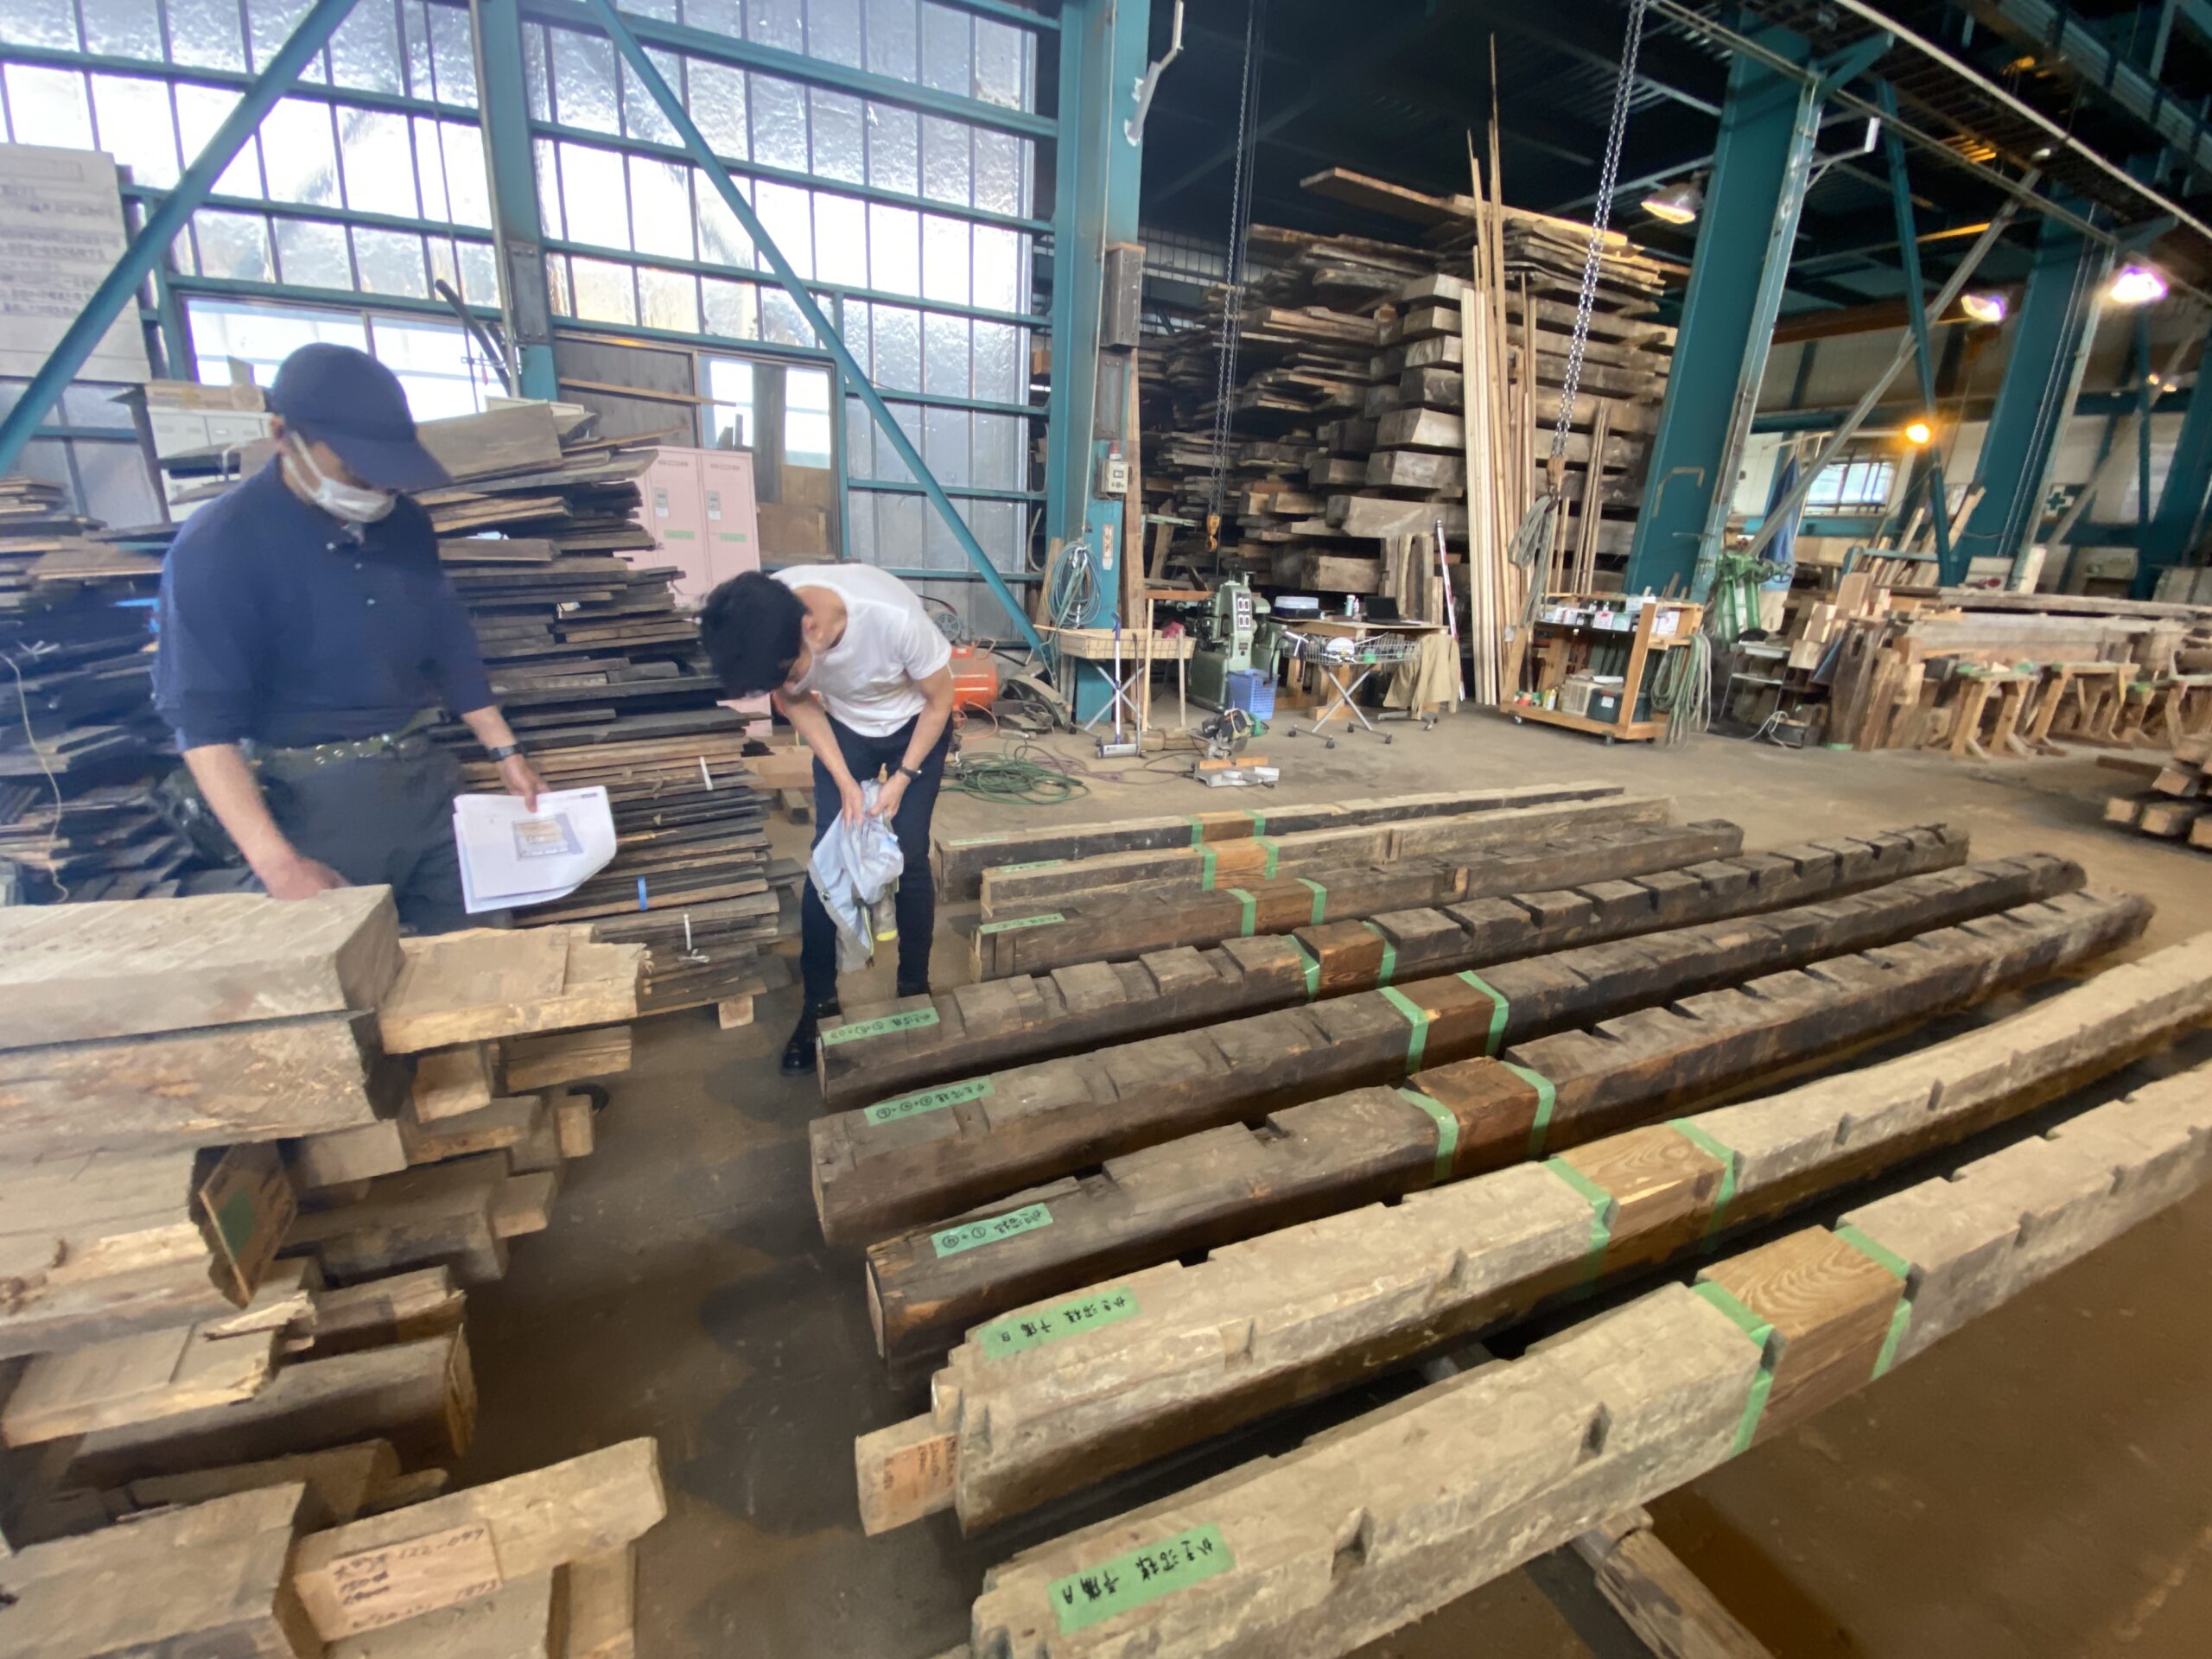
<point>1247,1157</point>
<point>2177,805</point>
<point>253,1157</point>
<point>80,750</point>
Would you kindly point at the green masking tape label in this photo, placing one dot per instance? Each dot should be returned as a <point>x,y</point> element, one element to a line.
<point>1390,968</point>
<point>1418,1015</point>
<point>1901,1316</point>
<point>1546,1097</point>
<point>1712,1149</point>
<point>1760,1331</point>
<point>1268,850</point>
<point>929,1100</point>
<point>1092,1595</point>
<point>1206,859</point>
<point>1320,898</point>
<point>1034,864</point>
<point>1046,920</point>
<point>1312,969</point>
<point>1198,833</point>
<point>1259,821</point>
<point>977,841</point>
<point>911,1020</point>
<point>1251,911</point>
<point>1018,1334</point>
<point>1603,1209</point>
<point>990,1229</point>
<point>1448,1129</point>
<point>1496,1009</point>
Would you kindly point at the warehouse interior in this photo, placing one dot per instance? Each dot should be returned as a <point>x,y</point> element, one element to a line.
<point>1536,973</point>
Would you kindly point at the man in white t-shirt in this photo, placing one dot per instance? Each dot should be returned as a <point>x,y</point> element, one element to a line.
<point>862,674</point>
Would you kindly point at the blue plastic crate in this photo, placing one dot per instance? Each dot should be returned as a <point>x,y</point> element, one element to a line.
<point>1253,692</point>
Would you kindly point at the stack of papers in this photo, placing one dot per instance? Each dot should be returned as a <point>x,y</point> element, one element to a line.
<point>510,855</point>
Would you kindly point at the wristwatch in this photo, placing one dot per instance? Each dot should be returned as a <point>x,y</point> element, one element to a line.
<point>910,772</point>
<point>505,752</point>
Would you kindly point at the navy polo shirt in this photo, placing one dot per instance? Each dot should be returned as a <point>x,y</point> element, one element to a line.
<point>283,624</point>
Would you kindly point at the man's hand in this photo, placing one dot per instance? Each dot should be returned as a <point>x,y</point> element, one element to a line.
<point>889,795</point>
<point>295,875</point>
<point>521,779</point>
<point>852,803</point>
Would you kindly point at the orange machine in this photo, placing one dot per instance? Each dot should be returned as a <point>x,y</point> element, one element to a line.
<point>975,678</point>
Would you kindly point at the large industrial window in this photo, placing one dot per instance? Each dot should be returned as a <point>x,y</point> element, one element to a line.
<point>806,417</point>
<point>1853,487</point>
<point>442,368</point>
<point>728,419</point>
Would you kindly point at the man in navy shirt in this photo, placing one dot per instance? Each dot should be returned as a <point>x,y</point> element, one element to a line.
<point>308,636</point>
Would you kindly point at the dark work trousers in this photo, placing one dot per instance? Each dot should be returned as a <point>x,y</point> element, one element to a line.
<point>383,818</point>
<point>916,904</point>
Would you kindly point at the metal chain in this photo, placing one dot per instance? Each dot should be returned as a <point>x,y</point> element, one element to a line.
<point>1607,177</point>
<point>1232,309</point>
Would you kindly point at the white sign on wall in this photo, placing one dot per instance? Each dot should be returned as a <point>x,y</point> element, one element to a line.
<point>61,234</point>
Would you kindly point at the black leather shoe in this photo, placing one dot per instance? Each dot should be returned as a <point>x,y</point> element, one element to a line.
<point>919,988</point>
<point>799,1053</point>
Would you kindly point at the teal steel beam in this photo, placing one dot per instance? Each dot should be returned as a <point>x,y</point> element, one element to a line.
<point>794,65</point>
<point>617,28</point>
<point>1097,173</point>
<point>958,492</point>
<point>1762,165</point>
<point>119,287</point>
<point>2172,531</point>
<point>502,88</point>
<point>2051,335</point>
<point>445,230</point>
<point>745,169</point>
<point>841,462</point>
<point>1924,361</point>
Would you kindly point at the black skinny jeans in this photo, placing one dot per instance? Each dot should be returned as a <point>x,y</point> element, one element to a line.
<point>915,903</point>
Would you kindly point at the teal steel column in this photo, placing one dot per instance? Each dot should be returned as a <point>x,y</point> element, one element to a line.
<point>1915,298</point>
<point>649,77</point>
<point>1096,176</point>
<point>2050,347</point>
<point>502,103</point>
<point>1761,166</point>
<point>2173,531</point>
<point>119,286</point>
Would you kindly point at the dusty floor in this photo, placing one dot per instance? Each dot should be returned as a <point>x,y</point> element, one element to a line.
<point>2040,1484</point>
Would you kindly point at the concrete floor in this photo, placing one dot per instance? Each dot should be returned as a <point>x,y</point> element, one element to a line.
<point>2040,1484</point>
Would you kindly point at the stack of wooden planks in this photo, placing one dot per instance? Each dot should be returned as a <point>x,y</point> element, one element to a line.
<point>2178,806</point>
<point>80,750</point>
<point>1137,1206</point>
<point>252,1156</point>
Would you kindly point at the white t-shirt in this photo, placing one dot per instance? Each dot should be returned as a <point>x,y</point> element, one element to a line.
<point>867,679</point>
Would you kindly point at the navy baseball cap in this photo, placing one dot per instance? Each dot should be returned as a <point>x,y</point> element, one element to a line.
<point>346,399</point>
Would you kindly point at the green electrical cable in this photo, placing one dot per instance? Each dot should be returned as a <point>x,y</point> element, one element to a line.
<point>1006,778</point>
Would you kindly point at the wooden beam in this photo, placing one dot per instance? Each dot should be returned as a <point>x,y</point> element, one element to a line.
<point>466,988</point>
<point>1120,926</point>
<point>876,1173</point>
<point>1080,1008</point>
<point>1317,1307</point>
<point>1374,1524</point>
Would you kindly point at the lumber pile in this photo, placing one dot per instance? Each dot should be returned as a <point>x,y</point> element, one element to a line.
<point>602,678</point>
<point>1332,1299</point>
<point>80,749</point>
<point>252,1156</point>
<point>1376,1523</point>
<point>1576,892</point>
<point>2178,806</point>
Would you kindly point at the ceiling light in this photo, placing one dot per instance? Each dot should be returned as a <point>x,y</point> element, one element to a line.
<point>1919,432</point>
<point>2137,285</point>
<point>1677,204</point>
<point>1983,308</point>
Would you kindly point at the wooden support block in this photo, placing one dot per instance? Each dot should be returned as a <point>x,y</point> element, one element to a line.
<point>419,1395</point>
<point>462,1547</point>
<point>561,1056</point>
<point>435,1213</point>
<point>572,1118</point>
<point>524,1618</point>
<point>525,1204</point>
<point>1662,1601</point>
<point>134,1379</point>
<point>401,1307</point>
<point>603,1605</point>
<point>470,986</point>
<point>734,1011</point>
<point>340,1481</point>
<point>344,1157</point>
<point>906,1472</point>
<point>146,966</point>
<point>450,1082</point>
<point>500,1123</point>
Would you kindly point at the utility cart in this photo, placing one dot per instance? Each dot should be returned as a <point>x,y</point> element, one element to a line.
<point>1591,662</point>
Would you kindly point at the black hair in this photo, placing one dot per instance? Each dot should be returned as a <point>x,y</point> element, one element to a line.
<point>750,625</point>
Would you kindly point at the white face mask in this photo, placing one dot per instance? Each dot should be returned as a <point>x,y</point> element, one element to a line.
<point>354,503</point>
